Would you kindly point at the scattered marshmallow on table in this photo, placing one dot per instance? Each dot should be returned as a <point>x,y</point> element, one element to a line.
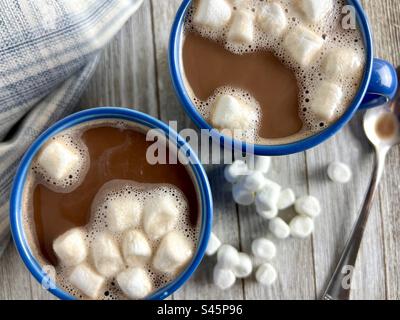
<point>228,257</point>
<point>262,164</point>
<point>301,227</point>
<point>135,283</point>
<point>264,249</point>
<point>244,268</point>
<point>242,28</point>
<point>308,206</point>
<point>123,213</point>
<point>223,278</point>
<point>267,198</point>
<point>71,248</point>
<point>174,251</point>
<point>279,228</point>
<point>266,274</point>
<point>213,14</point>
<point>230,113</point>
<point>241,195</point>
<point>272,18</point>
<point>315,10</point>
<point>339,172</point>
<point>303,45</point>
<point>87,281</point>
<point>160,216</point>
<point>213,245</point>
<point>340,62</point>
<point>286,199</point>
<point>59,160</point>
<point>135,248</point>
<point>326,100</point>
<point>235,171</point>
<point>106,255</point>
<point>254,182</point>
<point>267,214</point>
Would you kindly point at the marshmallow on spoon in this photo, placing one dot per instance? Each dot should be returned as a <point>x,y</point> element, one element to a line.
<point>303,45</point>
<point>241,195</point>
<point>228,257</point>
<point>266,275</point>
<point>315,10</point>
<point>272,18</point>
<point>123,213</point>
<point>87,281</point>
<point>223,278</point>
<point>175,251</point>
<point>235,171</point>
<point>135,283</point>
<point>308,206</point>
<point>213,14</point>
<point>160,216</point>
<point>340,62</point>
<point>287,198</point>
<point>279,228</point>
<point>301,227</point>
<point>106,256</point>
<point>213,245</point>
<point>136,248</point>
<point>244,268</point>
<point>264,249</point>
<point>327,100</point>
<point>339,172</point>
<point>242,28</point>
<point>71,248</point>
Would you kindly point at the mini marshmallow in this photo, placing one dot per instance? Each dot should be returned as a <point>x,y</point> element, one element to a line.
<point>267,198</point>
<point>213,245</point>
<point>175,251</point>
<point>341,62</point>
<point>266,275</point>
<point>87,281</point>
<point>279,228</point>
<point>135,283</point>
<point>71,248</point>
<point>308,206</point>
<point>59,160</point>
<point>264,249</point>
<point>244,268</point>
<point>287,198</point>
<point>228,256</point>
<point>301,227</point>
<point>303,45</point>
<point>242,28</point>
<point>267,214</point>
<point>106,256</point>
<point>254,182</point>
<point>136,248</point>
<point>262,164</point>
<point>315,10</point>
<point>339,172</point>
<point>232,114</point>
<point>223,278</point>
<point>213,14</point>
<point>272,19</point>
<point>327,100</point>
<point>123,213</point>
<point>235,171</point>
<point>160,215</point>
<point>241,195</point>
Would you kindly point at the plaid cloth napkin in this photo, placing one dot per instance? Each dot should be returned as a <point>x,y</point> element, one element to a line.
<point>48,52</point>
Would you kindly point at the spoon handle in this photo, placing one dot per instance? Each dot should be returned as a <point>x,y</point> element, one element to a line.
<point>339,286</point>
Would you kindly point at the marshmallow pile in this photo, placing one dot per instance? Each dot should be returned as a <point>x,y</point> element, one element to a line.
<point>241,22</point>
<point>138,237</point>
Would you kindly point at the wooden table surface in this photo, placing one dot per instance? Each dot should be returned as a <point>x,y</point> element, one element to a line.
<point>134,73</point>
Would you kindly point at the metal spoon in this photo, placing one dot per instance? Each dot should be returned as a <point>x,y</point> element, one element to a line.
<point>381,125</point>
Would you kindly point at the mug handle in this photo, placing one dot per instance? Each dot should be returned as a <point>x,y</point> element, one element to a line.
<point>383,85</point>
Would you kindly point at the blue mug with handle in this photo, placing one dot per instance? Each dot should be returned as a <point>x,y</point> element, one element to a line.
<point>379,84</point>
<point>200,181</point>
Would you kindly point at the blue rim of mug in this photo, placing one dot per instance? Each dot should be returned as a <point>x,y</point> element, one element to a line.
<point>147,121</point>
<point>176,71</point>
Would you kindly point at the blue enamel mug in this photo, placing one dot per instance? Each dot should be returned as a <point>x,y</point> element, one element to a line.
<point>200,181</point>
<point>379,84</point>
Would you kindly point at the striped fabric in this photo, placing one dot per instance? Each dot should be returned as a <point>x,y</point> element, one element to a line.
<point>48,51</point>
